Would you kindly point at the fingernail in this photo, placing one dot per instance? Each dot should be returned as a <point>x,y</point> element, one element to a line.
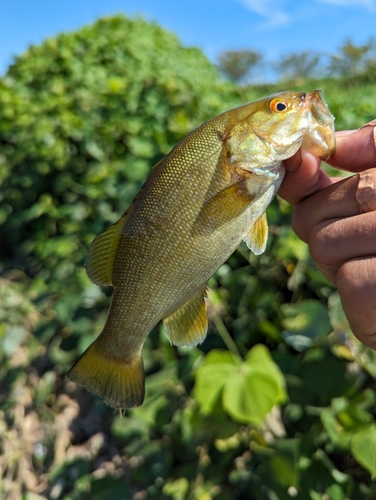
<point>370,124</point>
<point>366,192</point>
<point>306,154</point>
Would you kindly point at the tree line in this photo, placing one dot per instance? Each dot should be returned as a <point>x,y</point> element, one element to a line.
<point>246,65</point>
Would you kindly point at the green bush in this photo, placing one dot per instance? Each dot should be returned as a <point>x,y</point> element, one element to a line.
<point>277,403</point>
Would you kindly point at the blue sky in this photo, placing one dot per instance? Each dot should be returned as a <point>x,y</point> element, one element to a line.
<point>273,27</point>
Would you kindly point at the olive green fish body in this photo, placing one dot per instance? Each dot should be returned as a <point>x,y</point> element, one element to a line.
<point>210,192</point>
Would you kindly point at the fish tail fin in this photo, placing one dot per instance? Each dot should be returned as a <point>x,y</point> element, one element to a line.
<point>120,382</point>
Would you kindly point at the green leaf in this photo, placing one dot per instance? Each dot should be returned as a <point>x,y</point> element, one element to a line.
<point>13,338</point>
<point>335,492</point>
<point>250,389</point>
<point>212,376</point>
<point>176,489</point>
<point>342,420</point>
<point>289,246</point>
<point>260,356</point>
<point>254,388</point>
<point>335,430</point>
<point>304,322</point>
<point>363,447</point>
<point>284,470</point>
<point>284,463</point>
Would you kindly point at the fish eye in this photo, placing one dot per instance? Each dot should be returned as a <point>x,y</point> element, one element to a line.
<point>277,106</point>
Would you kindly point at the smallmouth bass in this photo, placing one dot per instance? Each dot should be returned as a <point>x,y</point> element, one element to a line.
<point>206,196</point>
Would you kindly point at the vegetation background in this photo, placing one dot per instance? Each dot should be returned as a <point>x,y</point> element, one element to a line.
<point>278,402</point>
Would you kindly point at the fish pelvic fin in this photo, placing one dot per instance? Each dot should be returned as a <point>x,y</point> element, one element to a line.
<point>103,250</point>
<point>257,236</point>
<point>188,324</point>
<point>121,383</point>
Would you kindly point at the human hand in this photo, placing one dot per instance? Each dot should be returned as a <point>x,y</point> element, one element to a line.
<point>337,218</point>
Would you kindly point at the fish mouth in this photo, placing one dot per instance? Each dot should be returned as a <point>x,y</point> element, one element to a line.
<point>319,108</point>
<point>320,137</point>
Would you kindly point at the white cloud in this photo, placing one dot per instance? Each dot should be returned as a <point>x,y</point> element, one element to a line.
<point>268,9</point>
<point>368,4</point>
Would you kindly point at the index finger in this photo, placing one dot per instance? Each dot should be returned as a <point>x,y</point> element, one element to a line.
<point>336,201</point>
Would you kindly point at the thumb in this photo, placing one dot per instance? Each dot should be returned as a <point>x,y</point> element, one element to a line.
<point>355,151</point>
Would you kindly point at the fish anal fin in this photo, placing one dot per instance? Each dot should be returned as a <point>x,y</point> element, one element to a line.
<point>257,236</point>
<point>103,250</point>
<point>224,207</point>
<point>188,324</point>
<point>121,383</point>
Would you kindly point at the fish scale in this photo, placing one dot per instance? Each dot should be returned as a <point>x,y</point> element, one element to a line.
<point>210,192</point>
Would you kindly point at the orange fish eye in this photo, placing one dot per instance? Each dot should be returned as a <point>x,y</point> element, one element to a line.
<point>276,106</point>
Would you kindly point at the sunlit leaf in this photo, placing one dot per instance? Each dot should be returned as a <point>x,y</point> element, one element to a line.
<point>254,388</point>
<point>176,489</point>
<point>218,368</point>
<point>363,446</point>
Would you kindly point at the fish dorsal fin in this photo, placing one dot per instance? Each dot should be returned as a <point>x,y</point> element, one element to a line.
<point>257,236</point>
<point>188,324</point>
<point>223,207</point>
<point>103,250</point>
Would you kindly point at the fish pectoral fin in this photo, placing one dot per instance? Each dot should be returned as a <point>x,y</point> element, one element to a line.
<point>257,236</point>
<point>103,250</point>
<point>223,207</point>
<point>188,324</point>
<point>121,383</point>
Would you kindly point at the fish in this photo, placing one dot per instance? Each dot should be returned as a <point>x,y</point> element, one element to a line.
<point>199,202</point>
